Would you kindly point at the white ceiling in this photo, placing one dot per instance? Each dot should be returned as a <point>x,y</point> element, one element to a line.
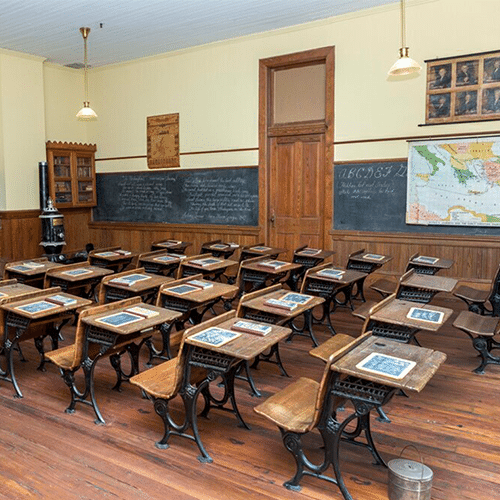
<point>137,28</point>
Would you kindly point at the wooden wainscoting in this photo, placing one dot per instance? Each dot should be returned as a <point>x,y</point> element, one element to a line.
<point>21,232</point>
<point>476,257</point>
<point>138,237</point>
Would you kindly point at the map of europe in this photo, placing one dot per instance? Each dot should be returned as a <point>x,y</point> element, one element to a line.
<point>454,182</point>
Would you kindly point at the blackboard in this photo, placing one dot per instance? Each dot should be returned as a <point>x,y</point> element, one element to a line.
<point>225,196</point>
<point>372,197</point>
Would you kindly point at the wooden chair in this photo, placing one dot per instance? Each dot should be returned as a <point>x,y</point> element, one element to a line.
<point>477,300</point>
<point>482,330</point>
<point>69,359</point>
<point>306,405</point>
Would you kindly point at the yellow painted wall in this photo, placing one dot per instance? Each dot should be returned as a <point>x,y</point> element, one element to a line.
<point>215,90</point>
<point>215,87</point>
<point>63,98</point>
<point>22,130</point>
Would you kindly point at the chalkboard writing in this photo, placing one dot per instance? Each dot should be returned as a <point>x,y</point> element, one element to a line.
<point>372,197</point>
<point>227,196</point>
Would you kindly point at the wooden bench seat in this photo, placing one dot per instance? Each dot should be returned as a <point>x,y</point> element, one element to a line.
<point>477,299</point>
<point>482,330</point>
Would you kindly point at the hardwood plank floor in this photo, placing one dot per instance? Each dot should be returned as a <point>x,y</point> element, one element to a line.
<point>46,453</point>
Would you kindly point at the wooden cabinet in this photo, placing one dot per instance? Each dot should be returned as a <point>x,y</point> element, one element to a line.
<point>71,174</point>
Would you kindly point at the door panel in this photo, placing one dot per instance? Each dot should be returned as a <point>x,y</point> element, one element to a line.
<point>296,190</point>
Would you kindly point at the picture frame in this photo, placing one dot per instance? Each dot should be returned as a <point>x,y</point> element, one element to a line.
<point>163,141</point>
<point>214,337</point>
<point>428,315</point>
<point>388,366</point>
<point>77,272</point>
<point>129,279</point>
<point>119,319</point>
<point>336,274</point>
<point>463,89</point>
<point>36,307</point>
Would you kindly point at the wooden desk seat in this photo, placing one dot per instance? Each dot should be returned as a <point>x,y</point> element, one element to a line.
<point>481,330</point>
<point>69,359</point>
<point>363,311</point>
<point>477,299</point>
<point>163,382</point>
<point>300,408</point>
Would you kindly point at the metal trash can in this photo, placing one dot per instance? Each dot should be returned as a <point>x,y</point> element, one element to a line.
<point>409,480</point>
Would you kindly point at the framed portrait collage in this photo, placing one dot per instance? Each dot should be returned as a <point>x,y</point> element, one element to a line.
<point>463,89</point>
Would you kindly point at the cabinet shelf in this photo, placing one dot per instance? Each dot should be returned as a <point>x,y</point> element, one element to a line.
<point>71,174</point>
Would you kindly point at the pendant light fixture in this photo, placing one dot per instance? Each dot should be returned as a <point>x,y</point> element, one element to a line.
<point>405,65</point>
<point>86,113</point>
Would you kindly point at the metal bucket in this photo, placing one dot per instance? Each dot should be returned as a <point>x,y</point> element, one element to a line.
<point>409,480</point>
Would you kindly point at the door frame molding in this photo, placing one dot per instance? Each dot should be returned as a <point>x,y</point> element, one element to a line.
<point>324,55</point>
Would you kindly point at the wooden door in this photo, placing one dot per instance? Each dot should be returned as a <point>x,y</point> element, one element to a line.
<point>296,149</point>
<point>296,191</point>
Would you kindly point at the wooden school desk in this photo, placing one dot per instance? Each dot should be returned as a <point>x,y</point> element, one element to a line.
<point>103,331</point>
<point>160,262</point>
<point>221,361</point>
<point>79,278</point>
<point>133,283</point>
<point>114,258</point>
<point>366,390</point>
<point>22,319</point>
<point>29,271</point>
<point>171,246</point>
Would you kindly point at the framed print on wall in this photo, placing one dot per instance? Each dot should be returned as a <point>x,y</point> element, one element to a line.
<point>463,89</point>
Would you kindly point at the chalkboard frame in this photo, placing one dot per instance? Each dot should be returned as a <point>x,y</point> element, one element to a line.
<point>111,209</point>
<point>400,226</point>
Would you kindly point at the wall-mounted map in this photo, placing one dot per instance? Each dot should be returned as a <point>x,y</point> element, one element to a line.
<point>454,182</point>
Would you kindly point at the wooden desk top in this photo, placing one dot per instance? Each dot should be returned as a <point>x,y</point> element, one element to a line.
<point>263,250</point>
<point>215,266</point>
<point>16,289</point>
<point>155,258</point>
<point>40,266</point>
<point>348,275</point>
<point>113,256</point>
<point>163,316</point>
<point>427,363</point>
<point>248,345</point>
<point>172,245</point>
<point>306,252</point>
<point>201,295</point>
<point>13,307</point>
<point>396,313</point>
<point>260,266</point>
<point>441,263</point>
<point>220,246</point>
<point>259,304</point>
<point>80,273</point>
<point>152,281</point>
<point>431,282</point>
<point>371,257</point>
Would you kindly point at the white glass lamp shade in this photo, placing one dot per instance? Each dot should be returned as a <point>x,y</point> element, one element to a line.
<point>86,113</point>
<point>405,65</point>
